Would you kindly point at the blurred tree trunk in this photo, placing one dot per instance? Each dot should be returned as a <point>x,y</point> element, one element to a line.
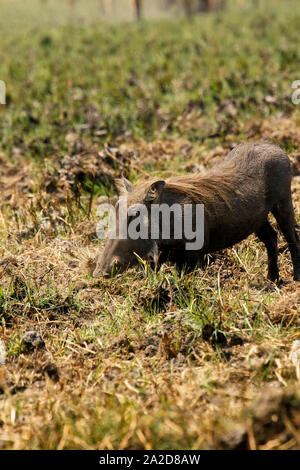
<point>188,6</point>
<point>137,9</point>
<point>107,7</point>
<point>209,5</point>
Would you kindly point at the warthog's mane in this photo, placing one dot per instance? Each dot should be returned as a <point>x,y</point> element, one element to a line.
<point>219,187</point>
<point>207,190</point>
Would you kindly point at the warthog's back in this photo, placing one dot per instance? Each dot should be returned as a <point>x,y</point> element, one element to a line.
<point>239,193</point>
<point>261,160</point>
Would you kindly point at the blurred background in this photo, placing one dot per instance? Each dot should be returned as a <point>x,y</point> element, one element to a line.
<point>198,69</point>
<point>88,10</point>
<point>112,10</point>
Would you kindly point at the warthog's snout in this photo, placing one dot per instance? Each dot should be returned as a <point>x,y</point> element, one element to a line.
<point>107,270</point>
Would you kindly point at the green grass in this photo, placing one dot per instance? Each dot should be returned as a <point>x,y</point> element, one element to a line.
<point>142,79</point>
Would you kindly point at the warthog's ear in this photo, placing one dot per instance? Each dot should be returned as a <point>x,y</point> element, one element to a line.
<point>123,186</point>
<point>154,192</point>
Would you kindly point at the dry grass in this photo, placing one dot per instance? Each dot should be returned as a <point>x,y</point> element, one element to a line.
<point>148,360</point>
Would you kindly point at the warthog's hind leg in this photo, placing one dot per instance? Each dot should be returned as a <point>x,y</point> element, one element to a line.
<point>268,236</point>
<point>284,214</point>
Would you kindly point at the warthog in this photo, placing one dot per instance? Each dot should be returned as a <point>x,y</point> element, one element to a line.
<point>238,194</point>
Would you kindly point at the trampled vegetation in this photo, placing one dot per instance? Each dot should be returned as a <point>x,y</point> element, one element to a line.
<point>147,360</point>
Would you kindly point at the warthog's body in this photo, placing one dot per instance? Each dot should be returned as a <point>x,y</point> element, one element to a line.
<point>238,195</point>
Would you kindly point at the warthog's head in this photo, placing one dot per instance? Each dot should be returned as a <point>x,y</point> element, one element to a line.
<point>122,252</point>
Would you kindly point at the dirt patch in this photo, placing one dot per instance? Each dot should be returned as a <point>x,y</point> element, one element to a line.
<point>286,310</point>
<point>15,180</point>
<point>86,165</point>
<point>272,421</point>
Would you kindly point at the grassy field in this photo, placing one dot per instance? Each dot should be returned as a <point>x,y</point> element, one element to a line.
<point>147,360</point>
